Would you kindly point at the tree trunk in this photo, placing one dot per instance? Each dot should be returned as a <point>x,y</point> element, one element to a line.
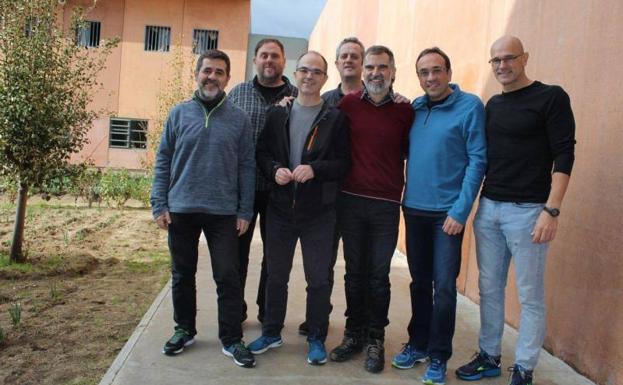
<point>18,231</point>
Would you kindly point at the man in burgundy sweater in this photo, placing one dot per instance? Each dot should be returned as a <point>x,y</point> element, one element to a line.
<point>369,206</point>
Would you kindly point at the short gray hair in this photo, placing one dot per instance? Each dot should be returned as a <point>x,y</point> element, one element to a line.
<point>347,40</point>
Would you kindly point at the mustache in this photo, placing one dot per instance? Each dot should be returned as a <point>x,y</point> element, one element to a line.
<point>376,77</point>
<point>211,81</point>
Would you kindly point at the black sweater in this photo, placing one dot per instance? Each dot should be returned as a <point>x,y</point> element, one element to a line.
<point>326,150</point>
<point>528,131</point>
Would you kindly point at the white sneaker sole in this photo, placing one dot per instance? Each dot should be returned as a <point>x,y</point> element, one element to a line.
<point>228,354</point>
<point>178,351</point>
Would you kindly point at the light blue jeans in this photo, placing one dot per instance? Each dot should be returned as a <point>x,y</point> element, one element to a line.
<point>503,230</point>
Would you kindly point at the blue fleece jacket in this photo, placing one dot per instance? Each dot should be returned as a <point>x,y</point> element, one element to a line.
<point>206,162</point>
<point>447,155</point>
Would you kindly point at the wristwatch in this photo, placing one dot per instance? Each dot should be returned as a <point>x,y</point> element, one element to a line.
<point>554,212</point>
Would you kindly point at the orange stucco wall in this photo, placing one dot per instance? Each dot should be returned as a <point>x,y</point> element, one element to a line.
<point>133,76</point>
<point>573,43</point>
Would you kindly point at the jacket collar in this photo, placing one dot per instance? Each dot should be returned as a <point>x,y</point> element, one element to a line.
<point>422,101</point>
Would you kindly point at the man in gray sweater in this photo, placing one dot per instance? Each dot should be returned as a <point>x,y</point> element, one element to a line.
<point>204,181</point>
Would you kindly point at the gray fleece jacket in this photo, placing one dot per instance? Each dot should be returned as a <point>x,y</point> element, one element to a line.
<point>206,162</point>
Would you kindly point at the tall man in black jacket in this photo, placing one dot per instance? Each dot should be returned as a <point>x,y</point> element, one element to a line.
<point>304,148</point>
<point>530,150</point>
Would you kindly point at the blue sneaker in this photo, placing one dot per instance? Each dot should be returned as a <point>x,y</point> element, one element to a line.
<point>240,354</point>
<point>435,373</point>
<point>264,343</point>
<point>408,357</point>
<point>317,354</point>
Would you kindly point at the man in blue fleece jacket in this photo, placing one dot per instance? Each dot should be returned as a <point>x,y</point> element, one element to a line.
<point>204,181</point>
<point>446,164</point>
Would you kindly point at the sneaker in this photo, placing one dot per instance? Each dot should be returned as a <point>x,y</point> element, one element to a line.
<point>408,357</point>
<point>482,365</point>
<point>520,376</point>
<point>435,373</point>
<point>375,356</point>
<point>240,353</point>
<point>264,343</point>
<point>351,345</point>
<point>303,331</point>
<point>176,344</point>
<point>317,354</point>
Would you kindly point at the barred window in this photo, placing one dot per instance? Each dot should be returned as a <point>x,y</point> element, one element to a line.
<point>204,39</point>
<point>88,34</point>
<point>128,133</point>
<point>157,38</point>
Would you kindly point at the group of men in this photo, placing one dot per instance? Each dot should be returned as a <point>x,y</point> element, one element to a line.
<point>318,167</point>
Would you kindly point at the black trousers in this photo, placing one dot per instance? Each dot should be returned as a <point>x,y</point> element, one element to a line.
<point>244,246</point>
<point>221,235</point>
<point>369,230</point>
<point>317,244</point>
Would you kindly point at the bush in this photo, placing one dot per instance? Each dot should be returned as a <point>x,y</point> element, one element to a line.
<point>119,185</point>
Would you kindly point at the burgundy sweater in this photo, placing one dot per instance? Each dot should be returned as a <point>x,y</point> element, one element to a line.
<point>379,143</point>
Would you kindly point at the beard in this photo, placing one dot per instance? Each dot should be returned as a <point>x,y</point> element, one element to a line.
<point>375,88</point>
<point>210,94</point>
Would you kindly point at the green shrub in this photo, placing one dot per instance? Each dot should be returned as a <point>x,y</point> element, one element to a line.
<point>15,312</point>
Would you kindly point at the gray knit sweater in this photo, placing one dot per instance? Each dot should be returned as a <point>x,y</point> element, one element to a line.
<point>206,162</point>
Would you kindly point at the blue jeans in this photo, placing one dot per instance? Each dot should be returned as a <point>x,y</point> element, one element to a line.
<point>434,262</point>
<point>503,229</point>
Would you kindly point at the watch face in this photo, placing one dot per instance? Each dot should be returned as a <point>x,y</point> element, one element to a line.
<point>552,212</point>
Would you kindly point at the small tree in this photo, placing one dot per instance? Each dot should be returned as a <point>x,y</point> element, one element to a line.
<point>47,82</point>
<point>176,86</point>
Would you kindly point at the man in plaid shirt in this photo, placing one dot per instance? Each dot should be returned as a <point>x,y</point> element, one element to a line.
<point>255,96</point>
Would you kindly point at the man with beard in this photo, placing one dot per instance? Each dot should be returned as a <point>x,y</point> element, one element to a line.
<point>255,97</point>
<point>206,139</point>
<point>446,163</point>
<point>369,206</point>
<point>304,148</point>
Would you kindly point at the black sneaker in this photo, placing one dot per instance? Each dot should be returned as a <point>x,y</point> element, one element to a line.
<point>375,356</point>
<point>520,376</point>
<point>176,344</point>
<point>482,365</point>
<point>303,330</point>
<point>351,345</point>
<point>241,354</point>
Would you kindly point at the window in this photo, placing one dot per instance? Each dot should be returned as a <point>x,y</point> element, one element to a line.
<point>157,38</point>
<point>88,34</point>
<point>204,39</point>
<point>128,133</point>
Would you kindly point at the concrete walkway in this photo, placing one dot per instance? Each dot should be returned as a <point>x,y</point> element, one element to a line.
<point>141,360</point>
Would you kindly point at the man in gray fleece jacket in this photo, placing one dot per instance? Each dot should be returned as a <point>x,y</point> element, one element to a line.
<point>204,182</point>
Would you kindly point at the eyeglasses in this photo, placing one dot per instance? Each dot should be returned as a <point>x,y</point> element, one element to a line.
<point>314,71</point>
<point>496,61</point>
<point>436,71</point>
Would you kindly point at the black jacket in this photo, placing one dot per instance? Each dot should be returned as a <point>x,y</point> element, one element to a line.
<point>326,150</point>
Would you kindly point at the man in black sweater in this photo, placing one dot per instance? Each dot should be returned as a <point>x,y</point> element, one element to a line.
<point>530,136</point>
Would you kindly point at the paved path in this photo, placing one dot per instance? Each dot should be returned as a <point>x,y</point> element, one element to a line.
<point>142,362</point>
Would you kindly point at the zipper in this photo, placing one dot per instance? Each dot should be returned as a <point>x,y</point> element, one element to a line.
<point>206,114</point>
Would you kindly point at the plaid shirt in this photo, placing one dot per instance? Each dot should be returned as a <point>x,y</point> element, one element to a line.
<point>246,96</point>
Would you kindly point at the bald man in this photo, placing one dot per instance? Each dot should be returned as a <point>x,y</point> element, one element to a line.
<point>530,136</point>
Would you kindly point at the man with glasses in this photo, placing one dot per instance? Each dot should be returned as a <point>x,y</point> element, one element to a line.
<point>530,134</point>
<point>446,163</point>
<point>255,97</point>
<point>304,148</point>
<point>369,206</point>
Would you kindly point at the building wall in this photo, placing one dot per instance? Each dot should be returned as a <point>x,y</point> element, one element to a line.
<point>573,43</point>
<point>134,77</point>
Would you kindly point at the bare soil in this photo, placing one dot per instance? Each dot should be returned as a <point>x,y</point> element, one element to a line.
<point>91,274</point>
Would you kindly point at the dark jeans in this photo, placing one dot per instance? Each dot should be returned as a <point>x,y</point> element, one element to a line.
<point>220,232</point>
<point>369,230</point>
<point>244,246</point>
<point>316,237</point>
<point>434,262</point>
